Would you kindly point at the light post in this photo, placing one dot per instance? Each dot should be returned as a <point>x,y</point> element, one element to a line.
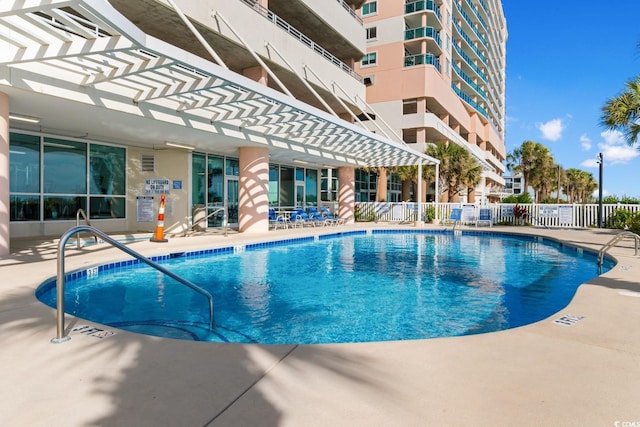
<point>600,162</point>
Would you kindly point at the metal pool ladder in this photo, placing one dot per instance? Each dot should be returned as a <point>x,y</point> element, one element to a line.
<point>615,240</point>
<point>60,279</point>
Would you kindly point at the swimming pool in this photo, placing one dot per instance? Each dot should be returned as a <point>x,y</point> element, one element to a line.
<point>351,287</point>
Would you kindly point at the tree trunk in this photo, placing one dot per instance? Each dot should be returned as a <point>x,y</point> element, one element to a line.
<point>381,189</point>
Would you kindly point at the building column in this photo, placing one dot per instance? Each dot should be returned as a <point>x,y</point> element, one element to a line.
<point>4,175</point>
<point>347,193</point>
<point>253,191</point>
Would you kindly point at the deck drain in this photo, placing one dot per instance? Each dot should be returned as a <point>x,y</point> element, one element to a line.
<point>568,320</point>
<point>93,331</point>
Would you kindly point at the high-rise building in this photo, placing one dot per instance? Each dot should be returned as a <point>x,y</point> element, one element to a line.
<point>435,71</point>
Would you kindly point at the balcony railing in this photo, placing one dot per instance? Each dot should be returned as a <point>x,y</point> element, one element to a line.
<point>470,42</point>
<point>293,32</point>
<point>416,33</point>
<point>422,59</point>
<point>351,11</point>
<point>466,98</point>
<point>470,22</point>
<point>420,5</point>
<point>469,81</point>
<point>469,62</point>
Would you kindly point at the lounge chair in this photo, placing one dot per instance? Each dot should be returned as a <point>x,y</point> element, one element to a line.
<point>300,216</point>
<point>327,214</point>
<point>315,215</point>
<point>276,221</point>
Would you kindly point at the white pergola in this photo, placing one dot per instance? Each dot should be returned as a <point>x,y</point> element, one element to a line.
<point>81,69</point>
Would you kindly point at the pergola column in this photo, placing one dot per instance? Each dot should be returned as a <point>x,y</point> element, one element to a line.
<point>4,175</point>
<point>253,191</point>
<point>347,193</point>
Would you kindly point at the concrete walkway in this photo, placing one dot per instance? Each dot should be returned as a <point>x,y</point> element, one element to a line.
<point>544,374</point>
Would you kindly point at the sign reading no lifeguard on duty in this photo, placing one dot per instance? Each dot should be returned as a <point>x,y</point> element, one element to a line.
<point>156,186</point>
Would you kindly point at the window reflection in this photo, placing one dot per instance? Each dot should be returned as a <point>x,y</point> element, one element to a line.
<point>24,163</point>
<point>65,167</point>
<point>25,208</point>
<point>66,183</point>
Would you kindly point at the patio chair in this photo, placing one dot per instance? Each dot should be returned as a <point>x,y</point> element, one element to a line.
<point>276,221</point>
<point>327,214</point>
<point>301,217</point>
<point>315,215</point>
<point>454,218</point>
<point>484,215</point>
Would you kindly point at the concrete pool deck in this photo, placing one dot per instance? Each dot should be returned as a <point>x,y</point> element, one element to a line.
<point>583,374</point>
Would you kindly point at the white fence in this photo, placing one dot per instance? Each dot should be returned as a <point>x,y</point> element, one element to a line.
<point>546,215</point>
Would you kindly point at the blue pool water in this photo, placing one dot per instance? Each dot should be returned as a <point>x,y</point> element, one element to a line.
<point>343,288</point>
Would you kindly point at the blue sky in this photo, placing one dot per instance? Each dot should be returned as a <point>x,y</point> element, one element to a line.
<point>564,60</point>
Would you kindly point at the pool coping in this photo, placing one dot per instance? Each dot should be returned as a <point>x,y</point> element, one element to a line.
<point>586,372</point>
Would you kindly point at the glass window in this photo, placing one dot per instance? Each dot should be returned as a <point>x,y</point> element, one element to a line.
<point>369,8</point>
<point>107,207</point>
<point>273,185</point>
<point>409,106</point>
<point>232,167</point>
<point>372,33</point>
<point>24,208</point>
<point>65,167</point>
<point>24,163</point>
<point>287,186</point>
<point>369,59</point>
<point>61,208</point>
<point>299,174</point>
<point>311,183</point>
<point>215,188</point>
<point>107,170</point>
<point>198,178</point>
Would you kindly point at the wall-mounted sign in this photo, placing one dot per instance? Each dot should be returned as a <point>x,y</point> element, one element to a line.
<point>177,184</point>
<point>144,209</point>
<point>156,186</point>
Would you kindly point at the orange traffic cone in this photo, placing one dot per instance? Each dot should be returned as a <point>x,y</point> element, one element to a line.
<point>159,234</point>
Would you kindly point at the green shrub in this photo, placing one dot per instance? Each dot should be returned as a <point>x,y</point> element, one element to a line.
<point>621,219</point>
<point>634,224</point>
<point>430,213</point>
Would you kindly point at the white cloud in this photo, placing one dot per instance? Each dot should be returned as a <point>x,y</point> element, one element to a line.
<point>612,137</point>
<point>589,163</point>
<point>585,142</point>
<point>614,148</point>
<point>596,193</point>
<point>618,153</point>
<point>551,130</point>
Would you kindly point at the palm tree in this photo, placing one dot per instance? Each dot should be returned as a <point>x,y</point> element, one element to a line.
<point>623,112</point>
<point>458,170</point>
<point>571,184</point>
<point>522,160</point>
<point>543,172</point>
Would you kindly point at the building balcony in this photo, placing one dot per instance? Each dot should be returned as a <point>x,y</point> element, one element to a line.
<point>422,5</point>
<point>422,32</point>
<point>422,59</point>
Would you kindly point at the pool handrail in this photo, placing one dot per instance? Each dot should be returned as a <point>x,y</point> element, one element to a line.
<point>225,218</point>
<point>615,240</point>
<point>60,278</point>
<point>79,212</point>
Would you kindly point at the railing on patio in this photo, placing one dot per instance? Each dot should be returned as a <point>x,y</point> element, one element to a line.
<point>544,215</point>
